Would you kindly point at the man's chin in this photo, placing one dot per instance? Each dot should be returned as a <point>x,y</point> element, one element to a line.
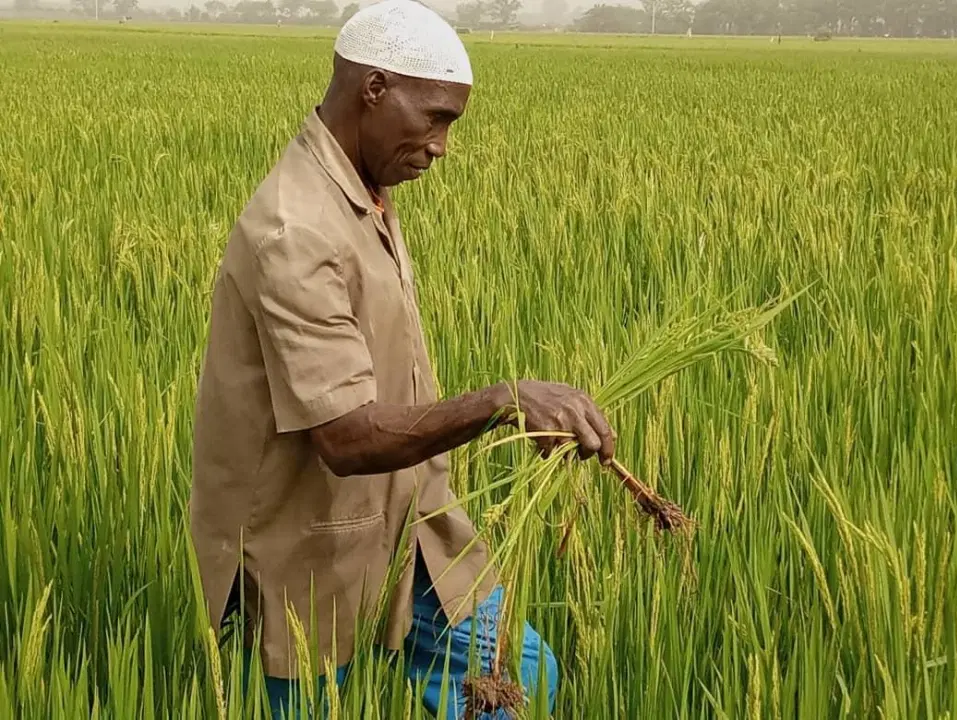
<point>391,182</point>
<point>402,175</point>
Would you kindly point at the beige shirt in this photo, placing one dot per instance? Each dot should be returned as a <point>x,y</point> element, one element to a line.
<point>313,315</point>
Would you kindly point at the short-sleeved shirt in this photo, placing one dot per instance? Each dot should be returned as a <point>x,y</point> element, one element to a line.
<point>314,314</point>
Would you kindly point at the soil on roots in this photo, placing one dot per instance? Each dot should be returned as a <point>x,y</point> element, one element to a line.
<point>489,694</point>
<point>666,514</point>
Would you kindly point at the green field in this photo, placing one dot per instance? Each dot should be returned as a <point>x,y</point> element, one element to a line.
<point>591,196</point>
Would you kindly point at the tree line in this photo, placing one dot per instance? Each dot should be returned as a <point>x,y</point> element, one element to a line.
<point>820,18</point>
<point>304,12</point>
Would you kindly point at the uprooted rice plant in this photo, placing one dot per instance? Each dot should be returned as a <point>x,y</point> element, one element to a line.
<point>592,198</point>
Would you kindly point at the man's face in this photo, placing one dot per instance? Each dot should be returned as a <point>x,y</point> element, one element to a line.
<point>406,124</point>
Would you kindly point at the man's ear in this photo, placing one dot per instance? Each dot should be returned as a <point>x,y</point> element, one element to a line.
<point>375,84</point>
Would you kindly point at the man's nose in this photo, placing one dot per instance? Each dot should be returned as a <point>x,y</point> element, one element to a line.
<point>437,146</point>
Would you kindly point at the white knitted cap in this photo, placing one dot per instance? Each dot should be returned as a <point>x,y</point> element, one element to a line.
<point>407,38</point>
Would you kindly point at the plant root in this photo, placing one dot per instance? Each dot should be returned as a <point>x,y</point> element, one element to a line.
<point>489,694</point>
<point>667,515</point>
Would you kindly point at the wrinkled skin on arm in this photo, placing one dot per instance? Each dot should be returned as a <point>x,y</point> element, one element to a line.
<point>379,438</point>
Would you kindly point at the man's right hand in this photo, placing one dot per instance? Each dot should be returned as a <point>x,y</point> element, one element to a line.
<point>382,438</point>
<point>553,407</point>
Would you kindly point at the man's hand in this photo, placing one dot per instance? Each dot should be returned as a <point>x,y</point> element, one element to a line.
<point>379,438</point>
<point>560,408</point>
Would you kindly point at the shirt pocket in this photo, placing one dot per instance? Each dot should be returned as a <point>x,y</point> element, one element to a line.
<point>350,558</point>
<point>348,525</point>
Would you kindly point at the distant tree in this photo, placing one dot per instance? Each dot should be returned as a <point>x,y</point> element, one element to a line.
<point>84,8</point>
<point>321,12</point>
<point>897,18</point>
<point>714,17</point>
<point>471,14</point>
<point>947,18</point>
<point>291,9</point>
<point>503,13</point>
<point>124,8</point>
<point>25,5</point>
<point>194,14</point>
<point>611,19</point>
<point>255,11</point>
<point>173,15</point>
<point>746,17</point>
<point>490,14</point>
<point>348,11</point>
<point>673,17</point>
<point>216,9</point>
<point>315,12</point>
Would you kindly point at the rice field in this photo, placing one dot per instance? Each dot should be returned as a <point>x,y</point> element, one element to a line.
<point>592,196</point>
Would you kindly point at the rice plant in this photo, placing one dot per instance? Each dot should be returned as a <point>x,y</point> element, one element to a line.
<point>596,193</point>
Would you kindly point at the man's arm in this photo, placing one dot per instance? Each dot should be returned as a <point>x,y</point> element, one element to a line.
<point>321,376</point>
<point>378,438</point>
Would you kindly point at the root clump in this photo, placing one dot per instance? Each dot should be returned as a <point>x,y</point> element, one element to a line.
<point>491,693</point>
<point>667,515</point>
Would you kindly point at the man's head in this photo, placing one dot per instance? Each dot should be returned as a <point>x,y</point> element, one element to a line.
<point>405,75</point>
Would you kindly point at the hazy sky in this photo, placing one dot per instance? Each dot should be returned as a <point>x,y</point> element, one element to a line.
<point>529,6</point>
<point>533,6</point>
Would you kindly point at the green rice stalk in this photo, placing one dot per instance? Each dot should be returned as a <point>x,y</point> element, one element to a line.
<point>536,486</point>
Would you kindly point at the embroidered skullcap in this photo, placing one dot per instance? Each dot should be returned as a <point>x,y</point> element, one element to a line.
<point>407,38</point>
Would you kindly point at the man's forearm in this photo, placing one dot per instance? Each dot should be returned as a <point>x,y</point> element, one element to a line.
<point>378,438</point>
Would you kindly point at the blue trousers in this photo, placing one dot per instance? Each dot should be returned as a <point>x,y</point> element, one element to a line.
<point>425,649</point>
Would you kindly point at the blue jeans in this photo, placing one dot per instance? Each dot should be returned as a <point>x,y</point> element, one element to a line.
<point>425,651</point>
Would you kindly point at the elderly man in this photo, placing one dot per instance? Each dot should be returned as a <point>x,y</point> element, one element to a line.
<point>318,431</point>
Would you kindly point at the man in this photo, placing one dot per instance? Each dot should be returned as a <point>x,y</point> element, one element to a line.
<point>317,423</point>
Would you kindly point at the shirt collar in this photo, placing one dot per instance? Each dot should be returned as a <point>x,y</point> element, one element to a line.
<point>334,161</point>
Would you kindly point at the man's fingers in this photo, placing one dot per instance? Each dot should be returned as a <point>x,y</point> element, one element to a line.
<point>568,410</point>
<point>607,437</point>
<point>546,446</point>
<point>588,441</point>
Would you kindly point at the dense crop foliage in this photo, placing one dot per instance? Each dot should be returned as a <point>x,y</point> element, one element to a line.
<point>591,193</point>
